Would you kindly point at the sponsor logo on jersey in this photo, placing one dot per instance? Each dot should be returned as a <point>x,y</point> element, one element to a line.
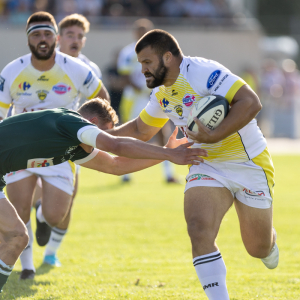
<point>61,89</point>
<point>210,285</point>
<point>42,94</point>
<point>167,110</point>
<point>24,86</point>
<point>179,110</point>
<point>39,162</point>
<point>174,93</point>
<point>199,177</point>
<point>2,80</point>
<point>43,78</point>
<point>188,99</point>
<point>221,82</point>
<point>88,78</point>
<point>164,102</point>
<point>253,194</point>
<point>70,149</point>
<point>213,77</point>
<point>24,94</point>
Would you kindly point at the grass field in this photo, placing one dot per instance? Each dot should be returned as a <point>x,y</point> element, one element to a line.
<point>129,241</point>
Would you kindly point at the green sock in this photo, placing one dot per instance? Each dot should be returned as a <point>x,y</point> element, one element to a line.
<point>3,279</point>
<point>5,271</point>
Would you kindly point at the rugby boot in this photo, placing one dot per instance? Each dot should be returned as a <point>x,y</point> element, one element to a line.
<point>43,230</point>
<point>27,274</point>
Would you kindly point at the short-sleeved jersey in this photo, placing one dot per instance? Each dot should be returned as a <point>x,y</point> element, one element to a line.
<point>198,78</point>
<point>29,89</point>
<point>91,64</point>
<point>40,139</point>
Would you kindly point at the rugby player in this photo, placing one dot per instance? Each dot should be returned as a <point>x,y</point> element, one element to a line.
<point>238,169</point>
<point>71,38</point>
<point>44,78</point>
<point>49,137</point>
<point>136,94</point>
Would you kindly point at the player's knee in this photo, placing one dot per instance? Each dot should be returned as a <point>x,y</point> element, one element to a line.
<point>17,238</point>
<point>200,230</point>
<point>259,249</point>
<point>53,218</point>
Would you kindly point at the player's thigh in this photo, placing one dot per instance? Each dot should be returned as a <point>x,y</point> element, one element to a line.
<point>205,207</point>
<point>256,226</point>
<point>56,203</point>
<point>20,194</point>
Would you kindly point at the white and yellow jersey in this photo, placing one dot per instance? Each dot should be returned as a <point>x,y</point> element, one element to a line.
<point>198,78</point>
<point>29,89</point>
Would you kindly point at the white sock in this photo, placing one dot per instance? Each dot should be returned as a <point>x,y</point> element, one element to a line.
<point>55,241</point>
<point>26,256</point>
<point>39,215</point>
<point>211,271</point>
<point>168,169</point>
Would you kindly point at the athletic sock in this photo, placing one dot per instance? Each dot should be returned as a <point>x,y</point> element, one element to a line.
<point>55,240</point>
<point>211,271</point>
<point>26,256</point>
<point>5,271</point>
<point>39,214</point>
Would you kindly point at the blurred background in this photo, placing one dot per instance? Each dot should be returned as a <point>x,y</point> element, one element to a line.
<point>256,39</point>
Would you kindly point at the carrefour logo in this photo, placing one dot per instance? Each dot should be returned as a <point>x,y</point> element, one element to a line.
<point>164,102</point>
<point>24,86</point>
<point>213,78</point>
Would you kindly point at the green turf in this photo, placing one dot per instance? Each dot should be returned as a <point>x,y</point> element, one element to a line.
<point>129,241</point>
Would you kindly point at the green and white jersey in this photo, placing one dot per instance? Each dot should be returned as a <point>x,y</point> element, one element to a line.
<point>29,89</point>
<point>41,139</point>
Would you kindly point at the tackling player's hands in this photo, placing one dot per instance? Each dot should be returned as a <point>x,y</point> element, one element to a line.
<point>184,155</point>
<point>173,142</point>
<point>203,135</point>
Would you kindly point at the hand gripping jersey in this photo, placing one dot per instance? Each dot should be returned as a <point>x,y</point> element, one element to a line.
<point>29,89</point>
<point>41,139</point>
<point>198,78</point>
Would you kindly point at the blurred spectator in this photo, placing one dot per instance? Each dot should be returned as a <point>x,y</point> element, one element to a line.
<point>200,8</point>
<point>115,83</point>
<point>173,8</point>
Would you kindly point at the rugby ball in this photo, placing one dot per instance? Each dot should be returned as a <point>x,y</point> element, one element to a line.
<point>210,110</point>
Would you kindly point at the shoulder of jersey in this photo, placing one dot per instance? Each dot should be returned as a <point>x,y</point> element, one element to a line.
<point>17,65</point>
<point>198,70</point>
<point>65,59</point>
<point>91,64</point>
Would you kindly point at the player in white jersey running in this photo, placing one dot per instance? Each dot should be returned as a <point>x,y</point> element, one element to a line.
<point>71,38</point>
<point>238,169</point>
<point>135,95</point>
<point>44,79</point>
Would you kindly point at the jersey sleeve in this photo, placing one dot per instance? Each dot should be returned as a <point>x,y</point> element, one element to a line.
<point>5,97</point>
<point>208,77</point>
<point>70,124</point>
<point>91,84</point>
<point>152,114</point>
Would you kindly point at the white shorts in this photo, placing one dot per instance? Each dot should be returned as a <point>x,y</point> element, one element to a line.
<point>251,182</point>
<point>61,176</point>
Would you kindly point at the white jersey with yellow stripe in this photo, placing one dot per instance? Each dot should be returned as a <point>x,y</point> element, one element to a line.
<point>29,89</point>
<point>198,78</point>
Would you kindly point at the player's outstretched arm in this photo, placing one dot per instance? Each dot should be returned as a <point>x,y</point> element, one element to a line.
<point>135,128</point>
<point>116,165</point>
<point>132,148</point>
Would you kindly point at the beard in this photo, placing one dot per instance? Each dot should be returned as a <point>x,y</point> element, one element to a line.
<point>158,76</point>
<point>42,56</point>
